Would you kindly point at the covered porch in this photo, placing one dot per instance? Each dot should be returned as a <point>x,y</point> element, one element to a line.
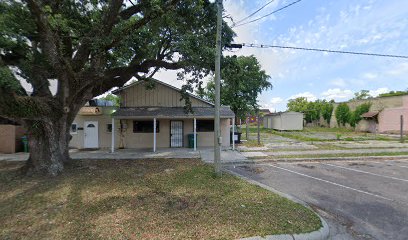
<point>169,127</point>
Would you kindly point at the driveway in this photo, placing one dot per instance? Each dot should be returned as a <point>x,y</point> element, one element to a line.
<point>359,199</point>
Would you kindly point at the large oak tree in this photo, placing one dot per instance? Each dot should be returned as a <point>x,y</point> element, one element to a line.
<point>90,46</point>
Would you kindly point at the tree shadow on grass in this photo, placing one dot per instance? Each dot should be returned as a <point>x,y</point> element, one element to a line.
<point>55,207</point>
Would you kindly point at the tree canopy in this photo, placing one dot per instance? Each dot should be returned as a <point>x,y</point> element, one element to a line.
<point>89,47</point>
<point>312,110</point>
<point>298,104</point>
<point>343,114</point>
<point>363,94</point>
<point>242,81</point>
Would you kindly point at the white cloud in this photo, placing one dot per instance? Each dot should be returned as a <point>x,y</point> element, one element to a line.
<point>268,106</point>
<point>308,95</point>
<point>338,82</point>
<point>400,69</point>
<point>337,94</point>
<point>370,75</point>
<point>276,100</point>
<point>379,91</point>
<point>270,60</point>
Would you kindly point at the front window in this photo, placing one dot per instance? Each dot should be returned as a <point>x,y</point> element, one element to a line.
<point>205,125</point>
<point>145,126</point>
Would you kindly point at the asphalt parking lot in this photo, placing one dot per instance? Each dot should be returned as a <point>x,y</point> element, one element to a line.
<point>359,199</point>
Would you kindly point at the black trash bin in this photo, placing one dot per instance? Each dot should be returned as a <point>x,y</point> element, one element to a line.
<point>237,138</point>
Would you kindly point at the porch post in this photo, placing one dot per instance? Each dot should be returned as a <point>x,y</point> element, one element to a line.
<point>233,133</point>
<point>113,136</point>
<point>154,134</point>
<point>195,136</point>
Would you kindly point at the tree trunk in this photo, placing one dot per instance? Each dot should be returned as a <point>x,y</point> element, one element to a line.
<point>48,145</point>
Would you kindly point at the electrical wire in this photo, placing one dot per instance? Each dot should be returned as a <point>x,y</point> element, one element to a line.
<point>264,16</point>
<point>323,50</point>
<point>252,14</point>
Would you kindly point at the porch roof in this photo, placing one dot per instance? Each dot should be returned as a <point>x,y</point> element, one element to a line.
<point>369,114</point>
<point>170,112</point>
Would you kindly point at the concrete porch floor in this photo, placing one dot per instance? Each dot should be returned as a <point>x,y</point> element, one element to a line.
<point>205,154</point>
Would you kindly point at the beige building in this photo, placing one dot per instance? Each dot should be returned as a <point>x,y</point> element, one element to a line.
<point>149,118</point>
<point>284,121</point>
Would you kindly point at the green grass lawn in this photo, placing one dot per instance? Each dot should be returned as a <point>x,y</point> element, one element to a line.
<point>155,199</point>
<point>311,134</point>
<point>252,143</point>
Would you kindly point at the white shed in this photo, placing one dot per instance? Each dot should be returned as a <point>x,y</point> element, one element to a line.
<point>284,121</point>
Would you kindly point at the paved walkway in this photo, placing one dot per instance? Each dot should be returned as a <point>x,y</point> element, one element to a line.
<point>206,154</point>
<point>227,156</point>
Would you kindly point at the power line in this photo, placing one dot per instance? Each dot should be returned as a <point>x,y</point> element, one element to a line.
<point>264,16</point>
<point>252,14</point>
<point>321,50</point>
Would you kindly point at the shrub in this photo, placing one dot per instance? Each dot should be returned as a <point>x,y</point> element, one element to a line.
<point>342,114</point>
<point>355,117</point>
<point>327,110</point>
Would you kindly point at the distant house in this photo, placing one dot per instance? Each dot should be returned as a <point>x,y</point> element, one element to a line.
<point>149,118</point>
<point>284,121</point>
<point>254,118</point>
<point>384,115</point>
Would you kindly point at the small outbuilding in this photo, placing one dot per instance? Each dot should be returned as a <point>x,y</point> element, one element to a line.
<point>284,121</point>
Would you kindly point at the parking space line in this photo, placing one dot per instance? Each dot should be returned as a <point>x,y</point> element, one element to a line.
<point>403,166</point>
<point>386,162</point>
<point>329,182</point>
<point>360,171</point>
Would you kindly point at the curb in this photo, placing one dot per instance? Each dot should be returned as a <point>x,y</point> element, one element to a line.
<point>322,234</point>
<point>330,159</point>
<point>293,160</point>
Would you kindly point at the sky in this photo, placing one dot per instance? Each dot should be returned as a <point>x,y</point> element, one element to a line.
<point>374,26</point>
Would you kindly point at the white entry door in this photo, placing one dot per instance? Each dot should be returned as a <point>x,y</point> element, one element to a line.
<point>176,133</point>
<point>91,139</point>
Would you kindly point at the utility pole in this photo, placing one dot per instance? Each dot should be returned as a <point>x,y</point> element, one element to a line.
<point>402,129</point>
<point>258,124</point>
<point>217,131</point>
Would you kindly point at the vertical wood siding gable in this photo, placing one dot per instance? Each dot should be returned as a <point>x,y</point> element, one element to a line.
<point>160,96</point>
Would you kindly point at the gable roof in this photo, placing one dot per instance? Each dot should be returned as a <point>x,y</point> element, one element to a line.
<point>161,83</point>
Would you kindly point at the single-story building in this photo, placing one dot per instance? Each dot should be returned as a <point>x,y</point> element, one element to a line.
<point>150,118</point>
<point>284,121</point>
<point>384,115</point>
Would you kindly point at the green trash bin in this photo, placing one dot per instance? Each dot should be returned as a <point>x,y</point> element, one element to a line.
<point>191,140</point>
<point>24,139</point>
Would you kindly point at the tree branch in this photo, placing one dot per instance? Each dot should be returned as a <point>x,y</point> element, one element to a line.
<point>24,107</point>
<point>47,36</point>
<point>84,50</point>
